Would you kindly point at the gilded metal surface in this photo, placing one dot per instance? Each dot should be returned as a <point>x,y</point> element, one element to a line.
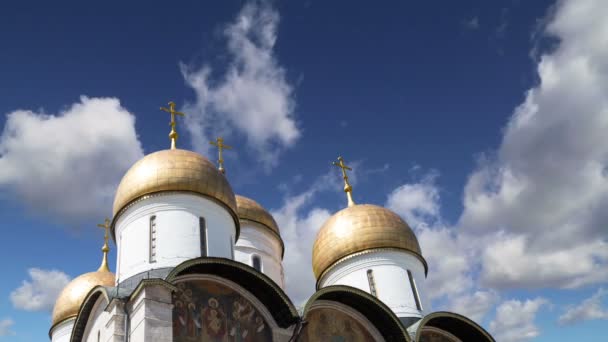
<point>348,189</point>
<point>106,248</point>
<point>173,134</point>
<point>219,143</point>
<point>251,210</point>
<point>173,170</point>
<point>71,298</point>
<point>358,228</point>
<point>73,295</point>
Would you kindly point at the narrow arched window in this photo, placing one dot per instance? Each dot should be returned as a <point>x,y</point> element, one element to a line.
<point>231,248</point>
<point>153,238</point>
<point>256,262</point>
<point>98,335</point>
<point>372,283</point>
<point>414,290</point>
<point>202,227</point>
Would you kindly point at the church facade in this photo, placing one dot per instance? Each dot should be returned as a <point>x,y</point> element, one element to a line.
<point>195,262</point>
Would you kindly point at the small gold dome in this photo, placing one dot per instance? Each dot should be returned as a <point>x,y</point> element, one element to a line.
<point>173,170</point>
<point>250,210</point>
<point>72,296</point>
<point>359,228</point>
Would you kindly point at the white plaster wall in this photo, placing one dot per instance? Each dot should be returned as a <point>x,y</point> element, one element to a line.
<point>390,276</point>
<point>256,239</point>
<point>98,322</point>
<point>177,231</point>
<point>63,331</point>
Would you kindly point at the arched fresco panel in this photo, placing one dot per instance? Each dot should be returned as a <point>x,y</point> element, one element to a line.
<point>436,335</point>
<point>205,310</point>
<point>331,325</point>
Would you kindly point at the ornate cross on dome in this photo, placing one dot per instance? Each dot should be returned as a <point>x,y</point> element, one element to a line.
<point>105,249</point>
<point>171,110</point>
<point>219,143</point>
<point>347,187</point>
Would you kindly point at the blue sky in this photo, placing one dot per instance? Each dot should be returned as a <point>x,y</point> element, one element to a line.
<point>482,123</point>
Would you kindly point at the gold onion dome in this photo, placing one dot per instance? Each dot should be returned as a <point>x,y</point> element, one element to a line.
<point>73,295</point>
<point>359,228</point>
<point>173,170</point>
<point>250,210</point>
<point>71,298</point>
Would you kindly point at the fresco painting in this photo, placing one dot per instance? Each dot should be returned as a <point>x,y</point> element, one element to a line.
<point>208,311</point>
<point>333,326</point>
<point>435,336</point>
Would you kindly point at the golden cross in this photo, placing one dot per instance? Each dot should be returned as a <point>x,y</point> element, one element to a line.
<point>171,110</point>
<point>219,143</point>
<point>347,187</point>
<point>105,249</point>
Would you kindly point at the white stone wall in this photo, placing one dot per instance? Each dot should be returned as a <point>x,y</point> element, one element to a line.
<point>177,231</point>
<point>390,276</point>
<point>63,331</point>
<point>105,323</point>
<point>151,315</point>
<point>256,239</point>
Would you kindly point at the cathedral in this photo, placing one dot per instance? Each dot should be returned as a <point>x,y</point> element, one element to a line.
<point>196,262</point>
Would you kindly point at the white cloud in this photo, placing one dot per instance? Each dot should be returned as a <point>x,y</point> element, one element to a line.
<point>474,305</point>
<point>253,96</point>
<point>446,255</point>
<point>514,320</point>
<point>299,231</point>
<point>40,291</point>
<point>542,199</point>
<point>591,308</point>
<point>5,327</point>
<point>68,165</point>
<point>417,203</point>
<point>449,265</point>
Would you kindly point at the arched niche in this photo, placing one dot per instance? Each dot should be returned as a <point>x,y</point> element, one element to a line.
<point>356,316</point>
<point>212,308</point>
<point>332,321</point>
<point>443,326</point>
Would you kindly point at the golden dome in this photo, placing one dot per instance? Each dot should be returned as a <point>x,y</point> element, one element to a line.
<point>173,170</point>
<point>250,210</point>
<point>359,228</point>
<point>71,298</point>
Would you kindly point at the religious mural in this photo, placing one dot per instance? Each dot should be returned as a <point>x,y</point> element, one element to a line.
<point>208,311</point>
<point>435,336</point>
<point>333,326</point>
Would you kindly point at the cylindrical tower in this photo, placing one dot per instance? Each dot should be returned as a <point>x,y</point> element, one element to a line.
<point>259,245</point>
<point>373,249</point>
<point>172,206</point>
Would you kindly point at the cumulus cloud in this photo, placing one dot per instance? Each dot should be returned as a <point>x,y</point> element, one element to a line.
<point>514,320</point>
<point>474,305</point>
<point>417,203</point>
<point>299,227</point>
<point>590,309</point>
<point>67,165</point>
<point>446,254</point>
<point>543,196</point>
<point>5,327</point>
<point>253,96</point>
<point>40,291</point>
